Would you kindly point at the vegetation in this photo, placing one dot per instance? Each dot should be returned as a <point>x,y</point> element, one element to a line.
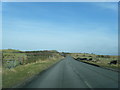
<point>18,66</point>
<point>10,50</point>
<point>100,60</point>
<point>14,58</point>
<point>20,74</point>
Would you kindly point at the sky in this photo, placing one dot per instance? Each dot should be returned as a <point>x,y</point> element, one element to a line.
<point>79,27</point>
<point>0,25</point>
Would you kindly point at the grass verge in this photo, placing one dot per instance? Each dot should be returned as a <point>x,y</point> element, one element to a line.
<point>0,77</point>
<point>99,60</point>
<point>19,74</point>
<point>104,65</point>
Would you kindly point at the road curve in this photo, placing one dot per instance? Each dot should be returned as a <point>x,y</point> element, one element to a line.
<point>70,73</point>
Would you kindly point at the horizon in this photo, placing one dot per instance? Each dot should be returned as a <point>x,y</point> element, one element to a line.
<point>89,27</point>
<point>60,51</point>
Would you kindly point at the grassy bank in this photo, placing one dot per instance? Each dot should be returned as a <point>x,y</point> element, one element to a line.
<point>19,74</point>
<point>101,64</point>
<point>100,60</point>
<point>0,77</point>
<point>19,66</point>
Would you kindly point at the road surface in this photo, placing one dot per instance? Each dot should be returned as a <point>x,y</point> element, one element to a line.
<point>70,73</point>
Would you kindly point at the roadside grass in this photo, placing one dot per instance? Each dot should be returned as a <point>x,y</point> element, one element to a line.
<point>0,69</point>
<point>116,67</point>
<point>20,74</point>
<point>101,60</point>
<point>0,77</point>
<point>13,59</point>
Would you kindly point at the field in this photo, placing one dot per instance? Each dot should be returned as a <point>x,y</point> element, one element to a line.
<point>19,66</point>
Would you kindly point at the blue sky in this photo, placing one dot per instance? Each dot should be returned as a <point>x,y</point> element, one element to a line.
<point>69,27</point>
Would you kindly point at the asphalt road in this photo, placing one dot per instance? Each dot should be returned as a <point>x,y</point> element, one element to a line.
<point>70,73</point>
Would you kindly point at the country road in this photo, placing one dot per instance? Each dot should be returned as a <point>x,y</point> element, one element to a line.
<point>69,73</point>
